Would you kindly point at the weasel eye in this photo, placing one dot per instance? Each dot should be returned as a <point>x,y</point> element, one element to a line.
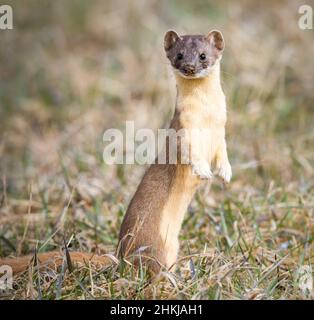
<point>203,56</point>
<point>179,56</point>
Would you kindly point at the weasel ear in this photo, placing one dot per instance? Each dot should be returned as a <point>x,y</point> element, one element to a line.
<point>216,39</point>
<point>171,37</point>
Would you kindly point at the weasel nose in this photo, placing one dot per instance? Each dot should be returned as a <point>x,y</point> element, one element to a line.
<point>189,68</point>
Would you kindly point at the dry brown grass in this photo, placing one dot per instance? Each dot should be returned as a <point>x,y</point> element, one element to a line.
<point>70,70</point>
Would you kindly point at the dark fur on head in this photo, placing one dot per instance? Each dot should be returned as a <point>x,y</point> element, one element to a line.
<point>193,56</point>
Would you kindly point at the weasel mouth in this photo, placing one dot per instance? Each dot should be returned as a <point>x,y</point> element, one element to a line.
<point>188,73</point>
<point>193,74</point>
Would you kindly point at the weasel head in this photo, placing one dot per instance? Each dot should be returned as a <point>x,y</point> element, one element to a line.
<point>195,56</point>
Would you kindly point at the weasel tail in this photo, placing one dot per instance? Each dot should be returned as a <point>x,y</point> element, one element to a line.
<point>54,260</point>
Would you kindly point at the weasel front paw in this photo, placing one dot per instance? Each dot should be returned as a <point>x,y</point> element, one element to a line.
<point>225,172</point>
<point>202,169</point>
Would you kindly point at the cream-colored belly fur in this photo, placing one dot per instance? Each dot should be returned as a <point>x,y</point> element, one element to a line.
<point>172,215</point>
<point>201,107</point>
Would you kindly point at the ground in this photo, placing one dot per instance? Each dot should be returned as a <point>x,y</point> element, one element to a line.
<point>70,70</point>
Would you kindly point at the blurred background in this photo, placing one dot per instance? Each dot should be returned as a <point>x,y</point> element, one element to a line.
<point>69,70</point>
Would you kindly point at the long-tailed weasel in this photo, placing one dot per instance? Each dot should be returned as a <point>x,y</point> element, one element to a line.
<point>153,219</point>
<point>155,214</point>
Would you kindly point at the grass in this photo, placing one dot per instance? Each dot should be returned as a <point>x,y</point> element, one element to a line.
<point>72,70</point>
